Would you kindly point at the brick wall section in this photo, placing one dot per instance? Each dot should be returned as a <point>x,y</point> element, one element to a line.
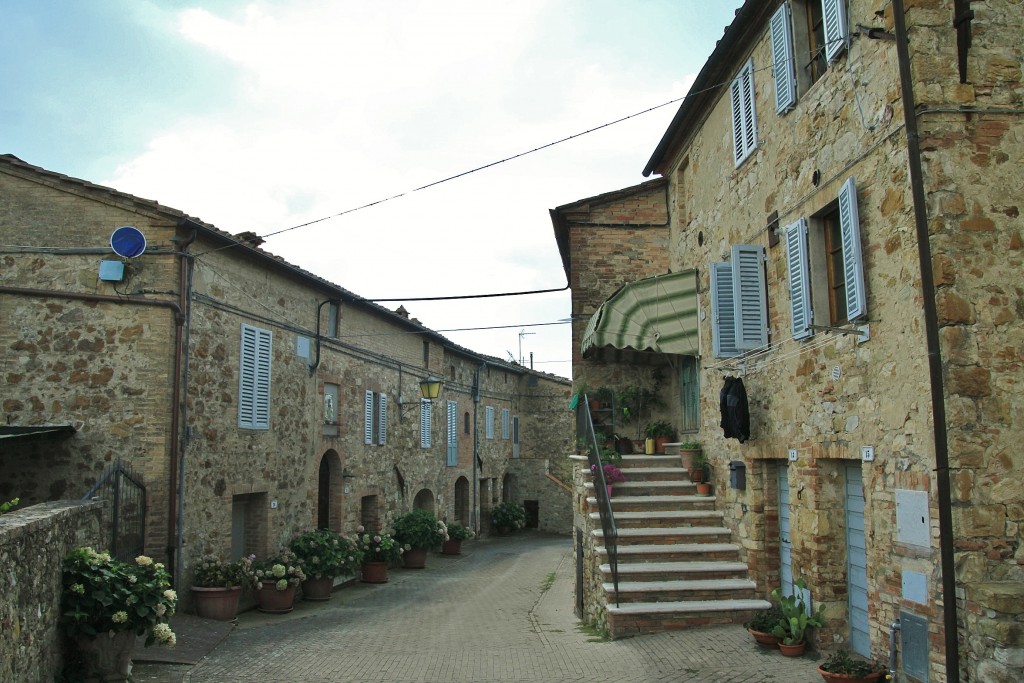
<point>33,543</point>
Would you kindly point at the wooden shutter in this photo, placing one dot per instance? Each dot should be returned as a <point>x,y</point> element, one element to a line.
<point>744,119</point>
<point>836,32</point>
<point>504,423</point>
<point>799,279</point>
<point>425,410</point>
<point>689,394</point>
<point>382,420</point>
<point>723,312</point>
<point>254,378</point>
<point>853,261</point>
<point>750,296</point>
<point>453,434</point>
<point>489,422</point>
<point>368,418</point>
<point>782,60</point>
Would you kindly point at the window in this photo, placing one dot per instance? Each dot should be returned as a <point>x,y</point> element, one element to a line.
<point>689,394</point>
<point>453,433</point>
<point>426,408</point>
<point>825,266</point>
<point>254,378</point>
<point>426,353</point>
<point>806,36</point>
<point>375,418</point>
<point>489,422</point>
<point>465,422</point>
<point>505,423</point>
<point>744,120</point>
<point>739,308</point>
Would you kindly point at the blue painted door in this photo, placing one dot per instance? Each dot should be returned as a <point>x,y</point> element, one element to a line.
<point>857,562</point>
<point>785,543</point>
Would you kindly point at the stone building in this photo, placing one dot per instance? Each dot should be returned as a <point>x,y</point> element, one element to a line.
<point>842,179</point>
<point>252,399</point>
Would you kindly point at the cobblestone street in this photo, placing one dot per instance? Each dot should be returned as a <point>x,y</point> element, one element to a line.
<point>502,611</point>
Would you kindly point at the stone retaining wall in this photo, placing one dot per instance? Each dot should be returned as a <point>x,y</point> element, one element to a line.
<point>33,544</point>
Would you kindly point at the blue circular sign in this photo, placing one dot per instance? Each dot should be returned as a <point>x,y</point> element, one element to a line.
<point>128,242</point>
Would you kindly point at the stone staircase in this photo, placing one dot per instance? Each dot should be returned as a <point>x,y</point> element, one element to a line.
<point>678,567</point>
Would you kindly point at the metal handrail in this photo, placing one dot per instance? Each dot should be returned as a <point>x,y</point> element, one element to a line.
<point>585,431</point>
<point>123,501</point>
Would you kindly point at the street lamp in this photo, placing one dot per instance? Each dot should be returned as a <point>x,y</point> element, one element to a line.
<point>430,387</point>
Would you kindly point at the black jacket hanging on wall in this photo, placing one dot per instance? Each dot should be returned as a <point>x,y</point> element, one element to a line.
<point>735,413</point>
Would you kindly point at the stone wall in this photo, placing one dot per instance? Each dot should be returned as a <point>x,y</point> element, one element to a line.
<point>33,544</point>
<point>594,599</point>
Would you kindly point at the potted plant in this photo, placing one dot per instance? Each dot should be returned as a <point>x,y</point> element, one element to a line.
<point>612,475</point>
<point>323,554</point>
<point>792,627</point>
<point>661,432</point>
<point>217,585</point>
<point>380,551</point>
<point>419,531</point>
<point>687,451</point>
<point>107,603</point>
<point>699,467</point>
<point>457,533</point>
<point>762,624</point>
<point>840,667</point>
<point>279,578</point>
<point>508,517</point>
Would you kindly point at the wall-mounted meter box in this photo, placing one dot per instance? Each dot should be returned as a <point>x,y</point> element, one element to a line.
<point>112,271</point>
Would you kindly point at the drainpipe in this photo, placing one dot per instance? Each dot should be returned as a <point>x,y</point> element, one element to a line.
<point>176,478</point>
<point>895,626</point>
<point>931,326</point>
<point>475,519</point>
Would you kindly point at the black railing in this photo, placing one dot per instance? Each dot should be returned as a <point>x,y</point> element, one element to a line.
<point>124,498</point>
<point>585,433</point>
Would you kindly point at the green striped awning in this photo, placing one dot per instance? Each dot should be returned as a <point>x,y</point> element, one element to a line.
<point>654,314</point>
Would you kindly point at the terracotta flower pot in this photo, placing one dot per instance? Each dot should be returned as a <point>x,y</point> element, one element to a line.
<point>108,657</point>
<point>375,572</point>
<point>273,601</point>
<point>451,547</point>
<point>793,650</point>
<point>763,638</point>
<point>414,558</point>
<point>318,589</point>
<point>216,603</point>
<point>849,678</point>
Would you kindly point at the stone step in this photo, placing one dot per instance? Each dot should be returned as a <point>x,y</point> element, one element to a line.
<point>658,460</point>
<point>657,505</point>
<point>671,591</point>
<point>651,474</point>
<point>673,552</point>
<point>668,535</point>
<point>661,519</point>
<point>667,571</point>
<point>630,619</point>
<point>649,489</point>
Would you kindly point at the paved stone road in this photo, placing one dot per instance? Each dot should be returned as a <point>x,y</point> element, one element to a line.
<point>502,611</point>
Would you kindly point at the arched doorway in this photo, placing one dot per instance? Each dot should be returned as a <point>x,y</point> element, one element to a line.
<point>462,501</point>
<point>509,488</point>
<point>329,492</point>
<point>424,500</point>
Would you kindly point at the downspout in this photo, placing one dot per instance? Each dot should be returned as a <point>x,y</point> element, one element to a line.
<point>931,326</point>
<point>475,520</point>
<point>176,477</point>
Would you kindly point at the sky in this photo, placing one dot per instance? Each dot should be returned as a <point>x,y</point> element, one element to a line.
<point>263,116</point>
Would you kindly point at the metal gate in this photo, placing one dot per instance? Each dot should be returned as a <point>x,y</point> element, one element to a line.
<point>124,501</point>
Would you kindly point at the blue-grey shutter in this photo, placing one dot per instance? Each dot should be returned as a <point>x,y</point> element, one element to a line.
<point>425,409</point>
<point>453,434</point>
<point>254,378</point>
<point>489,422</point>
<point>382,423</point>
<point>799,279</point>
<point>264,356</point>
<point>689,394</point>
<point>247,378</point>
<point>853,261</point>
<point>504,423</point>
<point>750,296</point>
<point>723,314</point>
<point>744,119</point>
<point>836,32</point>
<point>368,418</point>
<point>782,60</point>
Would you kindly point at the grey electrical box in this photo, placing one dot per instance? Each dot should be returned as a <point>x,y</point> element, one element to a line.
<point>112,271</point>
<point>914,646</point>
<point>737,475</point>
